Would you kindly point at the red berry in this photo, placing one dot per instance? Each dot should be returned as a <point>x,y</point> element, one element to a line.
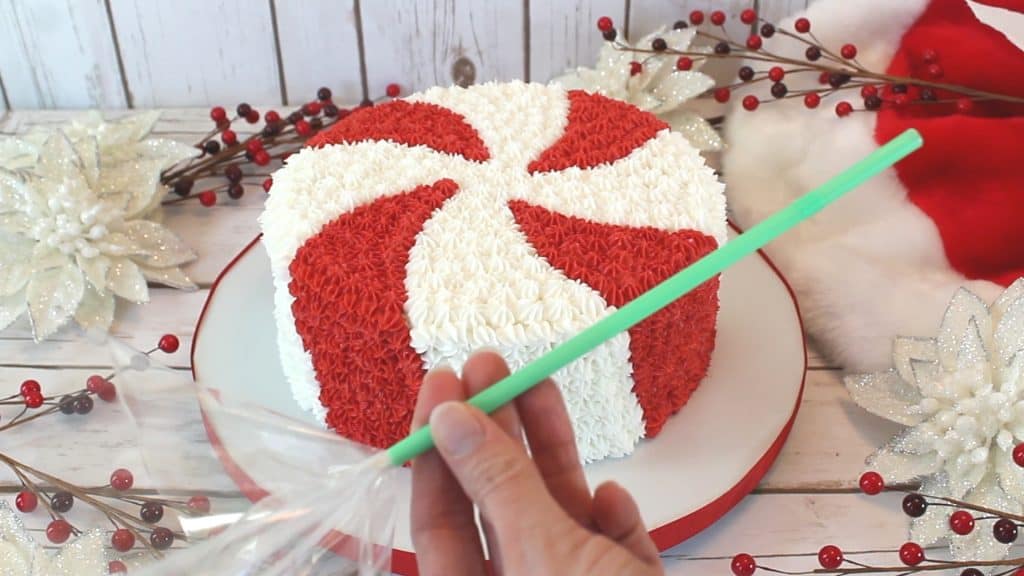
<point>229,138</point>
<point>117,567</point>
<point>30,387</point>
<point>161,538</point>
<point>748,16</point>
<point>830,557</point>
<point>261,158</point>
<point>844,108</point>
<point>635,68</point>
<point>868,91</point>
<point>871,483</point>
<point>743,565</point>
<point>151,512</point>
<point>169,343</point>
<point>722,94</point>
<point>684,63</point>
<point>1005,531</point>
<point>236,191</point>
<point>217,114</point>
<point>199,504</point>
<point>34,400</point>
<point>929,55</point>
<point>208,198</point>
<point>303,128</point>
<point>823,78</point>
<point>961,522</point>
<point>718,17</point>
<point>751,102</point>
<point>900,100</point>
<point>1018,455</point>
<point>754,42</point>
<point>311,108</point>
<point>267,184</point>
<point>964,105</point>
<point>696,17</point>
<point>254,145</point>
<point>272,117</point>
<point>802,25</point>
<point>605,24</point>
<point>914,505</point>
<point>121,479</point>
<point>776,74</point>
<point>58,531</point>
<point>108,393</point>
<point>848,51</point>
<point>252,117</point>
<point>911,554</point>
<point>393,90</point>
<point>26,501</point>
<point>811,100</point>
<point>122,540</point>
<point>935,71</point>
<point>95,383</point>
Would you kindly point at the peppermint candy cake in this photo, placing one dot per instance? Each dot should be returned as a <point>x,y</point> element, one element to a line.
<point>508,216</point>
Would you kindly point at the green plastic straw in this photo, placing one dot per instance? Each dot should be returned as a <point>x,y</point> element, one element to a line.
<point>671,289</point>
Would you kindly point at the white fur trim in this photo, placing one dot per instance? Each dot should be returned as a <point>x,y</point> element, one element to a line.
<point>872,266</point>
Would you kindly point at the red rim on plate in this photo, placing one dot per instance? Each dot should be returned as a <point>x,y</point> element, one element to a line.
<point>664,536</point>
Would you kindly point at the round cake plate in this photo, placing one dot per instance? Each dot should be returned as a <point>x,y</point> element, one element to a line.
<point>705,460</point>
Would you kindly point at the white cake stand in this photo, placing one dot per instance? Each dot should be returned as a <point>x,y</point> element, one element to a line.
<point>706,459</point>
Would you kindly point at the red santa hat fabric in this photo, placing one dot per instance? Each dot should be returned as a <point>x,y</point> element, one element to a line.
<point>886,259</point>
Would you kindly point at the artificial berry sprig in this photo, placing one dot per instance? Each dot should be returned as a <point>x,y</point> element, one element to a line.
<point>912,557</point>
<point>228,162</point>
<point>838,71</point>
<point>132,514</point>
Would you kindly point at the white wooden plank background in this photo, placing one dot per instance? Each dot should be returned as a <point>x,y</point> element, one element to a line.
<point>146,53</point>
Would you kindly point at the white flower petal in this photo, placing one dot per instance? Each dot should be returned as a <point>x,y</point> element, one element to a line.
<point>11,307</point>
<point>53,295</point>
<point>45,257</point>
<point>697,130</point>
<point>1009,333</point>
<point>934,524</point>
<point>15,265</point>
<point>972,350</point>
<point>1012,293</point>
<point>126,280</point>
<point>679,87</point>
<point>964,306</point>
<point>885,394</point>
<point>905,350</point>
<point>156,246</point>
<point>900,467</point>
<point>96,309</point>
<point>979,544</point>
<point>14,193</point>
<point>1009,475</point>
<point>95,270</point>
<point>171,276</point>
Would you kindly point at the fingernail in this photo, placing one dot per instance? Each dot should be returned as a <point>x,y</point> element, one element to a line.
<point>456,431</point>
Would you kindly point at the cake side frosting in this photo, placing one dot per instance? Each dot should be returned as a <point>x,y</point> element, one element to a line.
<point>473,274</point>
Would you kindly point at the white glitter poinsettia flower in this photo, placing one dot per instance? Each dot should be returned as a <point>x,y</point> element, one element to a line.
<point>79,222</point>
<point>659,88</point>
<point>21,555</point>
<point>961,396</point>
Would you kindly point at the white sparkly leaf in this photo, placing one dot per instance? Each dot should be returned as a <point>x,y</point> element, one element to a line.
<point>21,555</point>
<point>13,191</point>
<point>53,295</point>
<point>964,306</point>
<point>12,306</point>
<point>679,87</point>
<point>171,276</point>
<point>156,246</point>
<point>934,524</point>
<point>95,270</point>
<point>885,394</point>
<point>897,467</point>
<point>979,545</point>
<point>88,152</point>
<point>17,153</point>
<point>138,182</point>
<point>972,347</point>
<point>906,350</point>
<point>1009,475</point>
<point>1009,334</point>
<point>117,244</point>
<point>126,280</point>
<point>15,266</point>
<point>96,309</point>
<point>46,258</point>
<point>1013,292</point>
<point>696,129</point>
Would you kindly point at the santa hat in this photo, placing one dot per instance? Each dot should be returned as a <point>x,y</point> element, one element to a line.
<point>885,260</point>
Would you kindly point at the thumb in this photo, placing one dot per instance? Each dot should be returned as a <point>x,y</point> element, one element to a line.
<point>494,471</point>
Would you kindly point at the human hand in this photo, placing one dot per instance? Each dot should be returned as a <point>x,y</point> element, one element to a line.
<point>538,515</point>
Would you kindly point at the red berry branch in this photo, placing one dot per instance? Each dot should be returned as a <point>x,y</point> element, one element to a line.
<point>912,557</point>
<point>227,162</point>
<point>135,517</point>
<point>838,71</point>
